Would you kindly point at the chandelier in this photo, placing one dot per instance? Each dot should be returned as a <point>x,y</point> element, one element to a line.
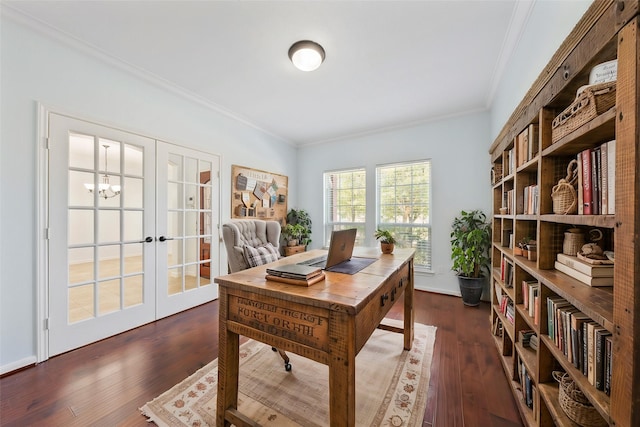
<point>105,189</point>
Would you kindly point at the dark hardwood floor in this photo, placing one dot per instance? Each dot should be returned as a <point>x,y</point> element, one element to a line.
<point>105,383</point>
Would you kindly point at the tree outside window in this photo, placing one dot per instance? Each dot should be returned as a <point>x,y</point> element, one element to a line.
<point>404,206</point>
<point>345,202</point>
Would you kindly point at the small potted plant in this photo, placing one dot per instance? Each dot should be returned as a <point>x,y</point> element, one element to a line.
<point>303,219</point>
<point>522,245</point>
<point>387,241</point>
<point>470,252</point>
<point>292,233</point>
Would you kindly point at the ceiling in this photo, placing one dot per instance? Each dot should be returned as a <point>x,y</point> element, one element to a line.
<point>388,64</point>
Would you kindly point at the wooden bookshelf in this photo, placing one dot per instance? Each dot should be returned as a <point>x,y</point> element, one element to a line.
<point>608,30</point>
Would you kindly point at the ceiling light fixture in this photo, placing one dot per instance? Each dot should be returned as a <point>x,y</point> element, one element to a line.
<point>105,189</point>
<point>306,55</point>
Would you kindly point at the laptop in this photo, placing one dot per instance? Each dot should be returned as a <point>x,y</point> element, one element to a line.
<point>338,259</point>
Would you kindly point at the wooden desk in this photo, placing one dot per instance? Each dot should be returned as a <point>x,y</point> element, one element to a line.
<point>328,322</point>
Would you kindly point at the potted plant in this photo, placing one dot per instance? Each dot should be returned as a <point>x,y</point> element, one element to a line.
<point>470,245</point>
<point>301,217</point>
<point>292,233</point>
<point>387,241</point>
<point>522,247</point>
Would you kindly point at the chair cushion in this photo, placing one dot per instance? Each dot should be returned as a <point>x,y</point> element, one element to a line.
<point>260,255</point>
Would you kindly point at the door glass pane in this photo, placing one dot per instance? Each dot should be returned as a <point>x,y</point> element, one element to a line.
<point>191,223</point>
<point>205,166</point>
<point>204,281</point>
<point>133,156</point>
<point>191,277</point>
<point>109,156</point>
<point>133,226</point>
<point>133,290</point>
<point>174,278</point>
<point>108,261</point>
<point>133,195</point>
<point>174,168</point>
<point>174,224</point>
<point>191,250</point>
<point>191,169</point>
<point>174,196</point>
<point>79,195</point>
<point>108,296</point>
<point>80,227</point>
<point>81,265</point>
<point>133,257</point>
<point>191,196</point>
<point>174,252</point>
<point>109,188</point>
<point>81,305</point>
<point>108,226</point>
<point>81,151</point>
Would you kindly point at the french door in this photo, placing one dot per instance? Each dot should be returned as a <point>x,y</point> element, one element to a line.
<point>187,185</point>
<point>127,216</point>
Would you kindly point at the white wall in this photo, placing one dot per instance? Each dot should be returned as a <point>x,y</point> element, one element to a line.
<point>549,23</point>
<point>36,68</point>
<point>460,178</point>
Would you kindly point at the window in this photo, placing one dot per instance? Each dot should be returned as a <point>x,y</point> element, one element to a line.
<point>404,206</point>
<point>345,202</point>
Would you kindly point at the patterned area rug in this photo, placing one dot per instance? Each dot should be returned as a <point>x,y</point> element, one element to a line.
<point>391,387</point>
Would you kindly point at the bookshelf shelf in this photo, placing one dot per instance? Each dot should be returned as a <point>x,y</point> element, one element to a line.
<point>527,164</point>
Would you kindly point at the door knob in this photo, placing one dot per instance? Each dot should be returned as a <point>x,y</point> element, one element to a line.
<point>162,238</point>
<point>148,239</point>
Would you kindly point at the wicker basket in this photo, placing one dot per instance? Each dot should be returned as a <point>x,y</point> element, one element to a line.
<point>573,241</point>
<point>565,199</point>
<point>575,404</point>
<point>590,103</point>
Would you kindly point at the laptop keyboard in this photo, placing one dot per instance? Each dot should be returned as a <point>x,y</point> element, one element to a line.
<point>320,261</point>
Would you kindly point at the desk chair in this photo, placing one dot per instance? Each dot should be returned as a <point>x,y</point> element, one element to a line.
<point>249,243</point>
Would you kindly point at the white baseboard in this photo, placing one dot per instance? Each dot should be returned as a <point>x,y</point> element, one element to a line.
<point>19,364</point>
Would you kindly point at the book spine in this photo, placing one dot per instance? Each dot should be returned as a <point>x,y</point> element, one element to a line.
<point>586,182</point>
<point>604,179</point>
<point>595,199</point>
<point>611,169</point>
<point>580,187</point>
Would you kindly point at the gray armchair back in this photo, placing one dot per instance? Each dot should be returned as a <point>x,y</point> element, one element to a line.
<point>253,232</point>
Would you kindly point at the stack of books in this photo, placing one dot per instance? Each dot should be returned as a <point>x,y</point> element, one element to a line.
<point>585,343</point>
<point>589,274</point>
<point>295,274</point>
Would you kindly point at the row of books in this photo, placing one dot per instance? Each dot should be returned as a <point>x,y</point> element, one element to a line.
<point>531,299</point>
<point>526,144</point>
<point>509,201</point>
<point>507,308</point>
<point>589,274</point>
<point>527,385</point>
<point>506,271</point>
<point>528,338</point>
<point>585,343</point>
<point>597,179</point>
<point>530,205</point>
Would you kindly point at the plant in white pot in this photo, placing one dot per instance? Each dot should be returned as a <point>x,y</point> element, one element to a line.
<point>470,252</point>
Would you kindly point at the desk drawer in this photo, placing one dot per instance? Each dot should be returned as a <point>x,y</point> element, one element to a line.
<point>375,310</point>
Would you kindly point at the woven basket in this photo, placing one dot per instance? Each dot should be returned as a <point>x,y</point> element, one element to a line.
<point>565,199</point>
<point>573,242</point>
<point>590,103</point>
<point>575,404</point>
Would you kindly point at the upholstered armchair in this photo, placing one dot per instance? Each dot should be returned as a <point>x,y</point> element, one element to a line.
<point>250,242</point>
